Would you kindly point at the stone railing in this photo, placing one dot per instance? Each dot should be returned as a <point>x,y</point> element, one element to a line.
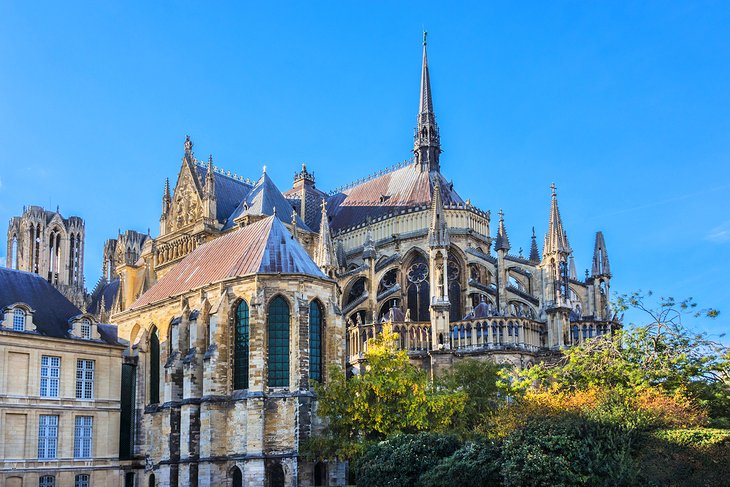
<point>412,336</point>
<point>491,333</point>
<point>496,332</point>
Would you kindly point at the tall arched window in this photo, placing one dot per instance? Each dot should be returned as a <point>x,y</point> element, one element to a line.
<point>241,347</point>
<point>154,375</point>
<point>418,289</point>
<point>315,341</point>
<point>278,329</point>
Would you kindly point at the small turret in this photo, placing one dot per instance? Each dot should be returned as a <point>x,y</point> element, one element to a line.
<point>438,232</point>
<point>325,256</point>
<point>368,251</point>
<point>601,266</point>
<point>209,196</point>
<point>502,240</point>
<point>556,240</point>
<point>534,252</point>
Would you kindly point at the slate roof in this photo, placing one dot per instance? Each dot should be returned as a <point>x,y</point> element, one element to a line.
<point>265,246</point>
<point>229,192</point>
<point>263,199</point>
<point>105,288</point>
<point>51,310</point>
<point>400,189</point>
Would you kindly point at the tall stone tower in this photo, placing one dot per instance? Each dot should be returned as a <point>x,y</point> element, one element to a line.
<point>45,243</point>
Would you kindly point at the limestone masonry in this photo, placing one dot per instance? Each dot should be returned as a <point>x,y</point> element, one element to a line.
<point>213,331</point>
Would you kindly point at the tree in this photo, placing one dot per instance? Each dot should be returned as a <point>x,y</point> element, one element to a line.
<point>663,353</point>
<point>391,396</point>
<point>478,380</point>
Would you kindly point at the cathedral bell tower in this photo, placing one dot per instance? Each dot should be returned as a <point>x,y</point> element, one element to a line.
<point>426,140</point>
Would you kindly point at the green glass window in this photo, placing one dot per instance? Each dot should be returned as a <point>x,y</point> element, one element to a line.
<point>315,341</point>
<point>278,326</point>
<point>154,366</point>
<point>240,353</point>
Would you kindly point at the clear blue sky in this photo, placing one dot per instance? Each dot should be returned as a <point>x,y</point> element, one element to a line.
<point>625,105</point>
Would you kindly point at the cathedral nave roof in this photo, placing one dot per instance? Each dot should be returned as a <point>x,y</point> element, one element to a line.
<point>263,247</point>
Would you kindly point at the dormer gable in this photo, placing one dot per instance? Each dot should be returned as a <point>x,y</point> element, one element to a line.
<point>84,326</point>
<point>18,317</point>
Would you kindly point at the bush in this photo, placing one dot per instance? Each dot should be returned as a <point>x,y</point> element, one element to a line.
<point>476,464</point>
<point>568,450</point>
<point>685,457</point>
<point>400,460</point>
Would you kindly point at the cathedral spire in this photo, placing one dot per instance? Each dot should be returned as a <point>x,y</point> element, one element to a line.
<point>601,266</point>
<point>426,143</point>
<point>556,240</point>
<point>534,252</point>
<point>502,241</point>
<point>438,232</point>
<point>325,257</point>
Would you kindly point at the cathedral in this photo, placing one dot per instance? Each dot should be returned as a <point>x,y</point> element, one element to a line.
<point>249,294</point>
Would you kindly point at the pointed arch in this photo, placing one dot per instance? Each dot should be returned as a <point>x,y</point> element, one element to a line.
<point>241,345</point>
<point>417,291</point>
<point>278,317</point>
<point>236,476</point>
<point>154,366</point>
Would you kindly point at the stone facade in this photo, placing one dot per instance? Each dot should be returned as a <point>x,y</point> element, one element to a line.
<point>40,365</point>
<point>248,294</point>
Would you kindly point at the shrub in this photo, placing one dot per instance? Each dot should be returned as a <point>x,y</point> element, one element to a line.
<point>400,460</point>
<point>568,450</point>
<point>476,464</point>
<point>685,457</point>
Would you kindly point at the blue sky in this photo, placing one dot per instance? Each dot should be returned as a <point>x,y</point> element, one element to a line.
<point>624,105</point>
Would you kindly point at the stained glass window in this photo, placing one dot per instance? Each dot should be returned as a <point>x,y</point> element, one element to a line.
<point>315,341</point>
<point>278,329</point>
<point>241,348</point>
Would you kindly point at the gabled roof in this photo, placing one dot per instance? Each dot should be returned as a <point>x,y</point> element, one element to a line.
<point>403,188</point>
<point>51,308</point>
<point>229,192</point>
<point>264,199</point>
<point>265,247</point>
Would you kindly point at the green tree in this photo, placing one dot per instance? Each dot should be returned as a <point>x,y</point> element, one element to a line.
<point>663,353</point>
<point>478,380</point>
<point>391,396</point>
